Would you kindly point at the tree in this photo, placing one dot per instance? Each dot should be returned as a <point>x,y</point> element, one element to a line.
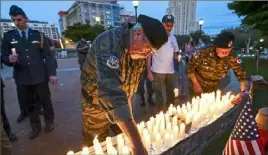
<point>254,13</point>
<point>78,31</point>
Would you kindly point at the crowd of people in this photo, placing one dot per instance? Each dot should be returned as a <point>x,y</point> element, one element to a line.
<point>119,63</point>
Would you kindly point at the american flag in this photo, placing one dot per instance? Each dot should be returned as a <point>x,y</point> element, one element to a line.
<point>245,138</point>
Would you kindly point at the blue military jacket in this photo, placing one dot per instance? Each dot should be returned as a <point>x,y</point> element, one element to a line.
<point>35,62</point>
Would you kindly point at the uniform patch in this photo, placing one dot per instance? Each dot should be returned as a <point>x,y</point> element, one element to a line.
<point>113,62</point>
<point>239,61</point>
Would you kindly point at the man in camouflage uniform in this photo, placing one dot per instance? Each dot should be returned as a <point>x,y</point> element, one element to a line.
<point>82,49</point>
<point>209,65</point>
<point>110,76</point>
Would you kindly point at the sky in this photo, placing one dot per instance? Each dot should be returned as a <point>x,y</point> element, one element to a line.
<point>215,13</point>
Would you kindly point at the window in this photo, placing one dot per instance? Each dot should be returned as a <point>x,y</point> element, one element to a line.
<point>5,24</point>
<point>108,12</point>
<point>108,17</point>
<point>54,36</point>
<point>35,25</point>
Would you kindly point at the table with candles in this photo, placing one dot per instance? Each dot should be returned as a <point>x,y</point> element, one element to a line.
<point>181,129</point>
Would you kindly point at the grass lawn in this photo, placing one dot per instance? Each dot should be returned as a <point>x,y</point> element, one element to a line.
<point>260,100</point>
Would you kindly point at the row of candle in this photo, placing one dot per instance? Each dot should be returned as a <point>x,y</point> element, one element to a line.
<point>165,130</point>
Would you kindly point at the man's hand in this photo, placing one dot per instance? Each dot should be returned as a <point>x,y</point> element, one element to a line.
<point>132,133</point>
<point>12,58</point>
<point>197,87</point>
<point>239,98</point>
<point>53,79</point>
<point>150,76</point>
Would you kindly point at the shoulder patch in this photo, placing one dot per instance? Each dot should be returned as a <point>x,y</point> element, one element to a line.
<point>238,60</point>
<point>113,62</point>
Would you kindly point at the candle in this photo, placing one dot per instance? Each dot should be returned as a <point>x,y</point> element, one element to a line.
<point>167,140</point>
<point>169,129</point>
<point>155,131</point>
<point>13,51</point>
<point>167,118</point>
<point>85,151</point>
<point>149,126</point>
<point>174,120</point>
<point>120,143</point>
<point>162,128</point>
<point>175,131</point>
<point>152,119</point>
<point>182,130</point>
<point>176,92</point>
<point>158,142</point>
<point>125,150</point>
<point>70,153</point>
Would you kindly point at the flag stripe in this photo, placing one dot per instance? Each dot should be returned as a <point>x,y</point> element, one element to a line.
<point>256,147</point>
<point>244,147</point>
<point>236,152</point>
<point>229,148</point>
<point>232,147</point>
<point>239,147</point>
<point>250,147</point>
<point>260,144</point>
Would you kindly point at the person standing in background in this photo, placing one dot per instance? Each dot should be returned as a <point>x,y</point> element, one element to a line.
<point>189,49</point>
<point>29,53</point>
<point>82,50</point>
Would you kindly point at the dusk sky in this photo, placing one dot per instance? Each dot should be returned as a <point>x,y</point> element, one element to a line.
<point>215,13</point>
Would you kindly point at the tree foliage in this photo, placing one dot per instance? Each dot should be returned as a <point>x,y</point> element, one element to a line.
<point>78,31</point>
<point>254,13</point>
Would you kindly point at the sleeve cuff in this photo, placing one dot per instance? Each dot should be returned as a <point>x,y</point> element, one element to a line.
<point>120,114</point>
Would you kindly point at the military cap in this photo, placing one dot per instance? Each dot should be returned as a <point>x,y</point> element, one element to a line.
<point>154,31</point>
<point>15,10</point>
<point>168,18</point>
<point>225,40</point>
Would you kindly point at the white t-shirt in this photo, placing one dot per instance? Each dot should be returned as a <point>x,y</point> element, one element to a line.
<point>162,60</point>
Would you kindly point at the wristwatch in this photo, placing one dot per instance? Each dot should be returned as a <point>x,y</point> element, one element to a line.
<point>246,91</point>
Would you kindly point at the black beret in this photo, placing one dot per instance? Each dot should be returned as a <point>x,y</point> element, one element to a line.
<point>153,30</point>
<point>168,18</point>
<point>15,10</point>
<point>225,40</point>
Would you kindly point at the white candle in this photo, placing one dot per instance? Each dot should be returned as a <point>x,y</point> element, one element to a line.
<point>169,129</point>
<point>182,130</point>
<point>85,151</point>
<point>167,117</point>
<point>167,140</point>
<point>175,130</point>
<point>174,120</point>
<point>70,153</point>
<point>120,143</point>
<point>125,150</point>
<point>158,142</point>
<point>176,92</point>
<point>152,119</point>
<point>13,51</point>
<point>149,126</point>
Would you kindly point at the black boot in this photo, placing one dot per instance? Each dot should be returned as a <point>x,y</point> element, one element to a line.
<point>142,100</point>
<point>12,137</point>
<point>34,133</point>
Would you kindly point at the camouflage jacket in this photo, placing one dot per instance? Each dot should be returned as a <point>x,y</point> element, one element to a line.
<point>209,69</point>
<point>109,76</point>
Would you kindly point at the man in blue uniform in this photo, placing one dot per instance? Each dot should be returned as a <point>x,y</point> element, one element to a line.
<point>29,53</point>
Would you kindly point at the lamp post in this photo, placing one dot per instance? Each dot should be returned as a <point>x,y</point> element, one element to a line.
<point>135,4</point>
<point>261,40</point>
<point>201,22</point>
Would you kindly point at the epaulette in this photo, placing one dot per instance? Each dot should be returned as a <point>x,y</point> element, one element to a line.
<point>10,31</point>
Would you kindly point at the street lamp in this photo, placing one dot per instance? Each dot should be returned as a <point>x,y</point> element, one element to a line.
<point>201,22</point>
<point>135,4</point>
<point>97,19</point>
<point>261,40</point>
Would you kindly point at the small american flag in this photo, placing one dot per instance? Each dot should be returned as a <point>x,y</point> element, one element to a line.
<point>245,138</point>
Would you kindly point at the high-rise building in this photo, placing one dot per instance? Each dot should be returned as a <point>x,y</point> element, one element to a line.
<point>50,30</point>
<point>127,16</point>
<point>184,13</point>
<point>106,13</point>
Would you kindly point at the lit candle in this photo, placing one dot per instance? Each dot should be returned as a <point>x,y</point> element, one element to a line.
<point>175,130</point>
<point>120,143</point>
<point>167,140</point>
<point>176,92</point>
<point>152,119</point>
<point>182,130</point>
<point>70,153</point>
<point>158,142</point>
<point>169,129</point>
<point>174,120</point>
<point>13,51</point>
<point>167,117</point>
<point>149,126</point>
<point>85,151</point>
<point>125,150</point>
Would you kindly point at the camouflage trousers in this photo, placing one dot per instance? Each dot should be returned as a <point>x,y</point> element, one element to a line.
<point>95,122</point>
